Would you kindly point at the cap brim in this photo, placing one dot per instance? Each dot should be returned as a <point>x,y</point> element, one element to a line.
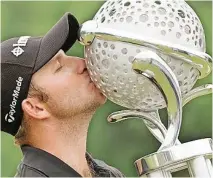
<point>61,36</point>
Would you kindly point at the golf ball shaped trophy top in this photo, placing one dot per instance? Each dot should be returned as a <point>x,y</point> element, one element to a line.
<point>146,55</point>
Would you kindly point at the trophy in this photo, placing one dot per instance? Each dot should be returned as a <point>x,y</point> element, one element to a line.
<point>147,55</point>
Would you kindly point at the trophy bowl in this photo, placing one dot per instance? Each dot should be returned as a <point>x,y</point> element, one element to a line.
<point>110,62</point>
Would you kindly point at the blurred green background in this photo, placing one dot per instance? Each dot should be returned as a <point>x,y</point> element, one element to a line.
<point>117,144</point>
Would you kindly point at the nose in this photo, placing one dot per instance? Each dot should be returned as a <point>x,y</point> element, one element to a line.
<point>80,65</point>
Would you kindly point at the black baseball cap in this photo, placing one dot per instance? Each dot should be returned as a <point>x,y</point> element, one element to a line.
<point>21,57</point>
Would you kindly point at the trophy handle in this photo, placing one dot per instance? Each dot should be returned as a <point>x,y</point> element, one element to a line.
<point>158,130</point>
<point>197,92</point>
<point>150,65</point>
<point>151,119</point>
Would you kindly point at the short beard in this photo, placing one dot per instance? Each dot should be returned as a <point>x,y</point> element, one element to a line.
<point>72,109</point>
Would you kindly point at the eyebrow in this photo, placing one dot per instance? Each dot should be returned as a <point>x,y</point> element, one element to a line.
<point>53,60</point>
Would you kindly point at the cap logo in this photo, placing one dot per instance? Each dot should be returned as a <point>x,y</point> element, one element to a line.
<point>9,117</point>
<point>22,41</point>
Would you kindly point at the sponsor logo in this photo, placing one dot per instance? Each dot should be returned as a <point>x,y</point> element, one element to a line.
<point>9,117</point>
<point>22,42</point>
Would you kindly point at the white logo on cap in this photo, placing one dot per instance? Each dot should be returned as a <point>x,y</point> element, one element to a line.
<point>22,41</point>
<point>14,101</point>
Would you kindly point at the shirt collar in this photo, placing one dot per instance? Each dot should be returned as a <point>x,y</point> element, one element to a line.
<point>46,163</point>
<point>52,166</point>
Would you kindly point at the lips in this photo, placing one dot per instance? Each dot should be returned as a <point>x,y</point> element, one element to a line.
<point>90,80</point>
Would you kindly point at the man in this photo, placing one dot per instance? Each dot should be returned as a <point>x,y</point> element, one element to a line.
<point>48,100</point>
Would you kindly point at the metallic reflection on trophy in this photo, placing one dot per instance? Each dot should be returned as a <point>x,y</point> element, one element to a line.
<point>145,56</point>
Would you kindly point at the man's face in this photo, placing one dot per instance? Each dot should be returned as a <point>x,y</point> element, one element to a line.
<point>67,83</point>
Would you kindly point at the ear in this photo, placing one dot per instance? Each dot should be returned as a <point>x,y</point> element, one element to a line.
<point>35,108</point>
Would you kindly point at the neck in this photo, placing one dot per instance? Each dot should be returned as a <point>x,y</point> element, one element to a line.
<point>66,139</point>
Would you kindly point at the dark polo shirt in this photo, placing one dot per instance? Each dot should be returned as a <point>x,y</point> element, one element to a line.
<point>39,163</point>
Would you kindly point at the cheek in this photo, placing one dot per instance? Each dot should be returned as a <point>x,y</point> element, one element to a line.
<point>66,85</point>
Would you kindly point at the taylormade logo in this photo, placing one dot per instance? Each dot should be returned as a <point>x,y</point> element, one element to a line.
<point>9,117</point>
<point>22,41</point>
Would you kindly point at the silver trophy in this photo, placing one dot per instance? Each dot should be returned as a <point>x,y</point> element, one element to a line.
<point>147,55</point>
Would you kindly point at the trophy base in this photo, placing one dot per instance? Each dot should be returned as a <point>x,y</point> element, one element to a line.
<point>194,155</point>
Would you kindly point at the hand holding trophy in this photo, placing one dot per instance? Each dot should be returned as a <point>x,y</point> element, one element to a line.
<point>145,56</point>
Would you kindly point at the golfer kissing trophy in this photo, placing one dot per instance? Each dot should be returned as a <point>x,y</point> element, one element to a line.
<point>147,55</point>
